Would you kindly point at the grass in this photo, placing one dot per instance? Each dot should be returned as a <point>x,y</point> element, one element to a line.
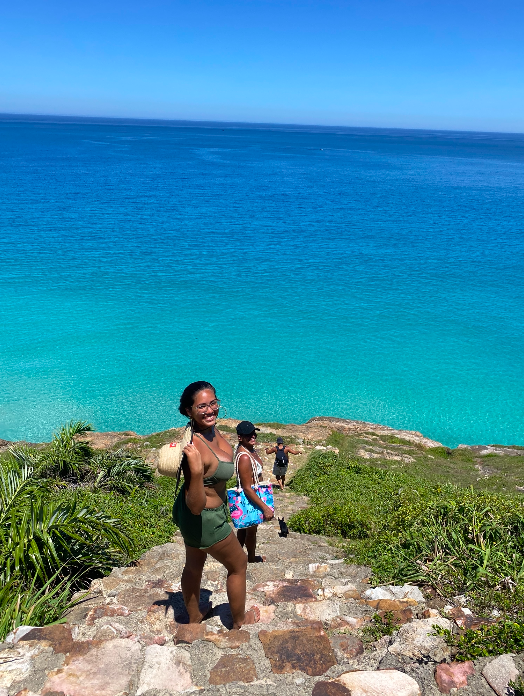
<point>407,528</point>
<point>440,465</point>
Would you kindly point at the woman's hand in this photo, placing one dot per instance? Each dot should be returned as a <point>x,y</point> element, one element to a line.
<point>268,513</point>
<point>194,460</point>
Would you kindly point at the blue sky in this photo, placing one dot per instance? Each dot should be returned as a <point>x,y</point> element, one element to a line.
<point>397,63</point>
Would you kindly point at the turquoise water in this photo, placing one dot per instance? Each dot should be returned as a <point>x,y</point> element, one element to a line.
<point>360,273</point>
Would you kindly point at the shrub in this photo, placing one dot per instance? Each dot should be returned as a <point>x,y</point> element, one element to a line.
<point>457,540</point>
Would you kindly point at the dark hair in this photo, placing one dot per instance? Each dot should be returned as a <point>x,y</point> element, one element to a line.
<point>188,395</point>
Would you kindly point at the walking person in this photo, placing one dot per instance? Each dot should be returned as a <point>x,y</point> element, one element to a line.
<point>281,464</point>
<point>249,469</point>
<point>200,509</point>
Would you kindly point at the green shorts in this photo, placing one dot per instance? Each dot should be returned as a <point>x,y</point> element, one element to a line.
<point>204,530</point>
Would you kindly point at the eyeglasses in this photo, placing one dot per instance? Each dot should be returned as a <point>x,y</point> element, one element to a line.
<point>213,405</point>
<point>253,434</point>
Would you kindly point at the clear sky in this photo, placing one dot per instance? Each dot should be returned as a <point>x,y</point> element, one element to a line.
<point>450,64</point>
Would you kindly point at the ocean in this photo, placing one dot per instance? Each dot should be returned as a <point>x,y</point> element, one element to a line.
<point>369,274</point>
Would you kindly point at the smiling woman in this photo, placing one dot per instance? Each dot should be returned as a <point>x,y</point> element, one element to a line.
<point>200,510</point>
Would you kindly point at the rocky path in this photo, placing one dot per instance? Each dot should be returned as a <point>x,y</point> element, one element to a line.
<point>128,637</point>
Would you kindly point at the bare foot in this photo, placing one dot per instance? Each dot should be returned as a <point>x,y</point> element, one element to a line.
<point>204,613</point>
<point>252,615</point>
<point>257,559</point>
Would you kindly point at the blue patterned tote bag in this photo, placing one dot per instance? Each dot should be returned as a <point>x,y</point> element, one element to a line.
<point>243,512</point>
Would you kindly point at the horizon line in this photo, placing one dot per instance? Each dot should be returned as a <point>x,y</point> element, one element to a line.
<point>134,120</point>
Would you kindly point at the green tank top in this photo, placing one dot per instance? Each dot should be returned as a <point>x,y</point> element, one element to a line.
<point>224,471</point>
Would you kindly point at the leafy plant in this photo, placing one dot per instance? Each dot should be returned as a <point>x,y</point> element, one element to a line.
<point>380,626</point>
<point>21,605</point>
<point>119,471</point>
<point>495,639</point>
<point>456,540</point>
<point>517,686</point>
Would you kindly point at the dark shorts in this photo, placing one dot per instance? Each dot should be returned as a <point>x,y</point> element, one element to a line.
<point>279,470</point>
<point>204,530</point>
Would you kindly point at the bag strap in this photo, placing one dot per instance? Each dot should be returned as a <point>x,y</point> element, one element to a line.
<point>179,472</point>
<point>253,467</point>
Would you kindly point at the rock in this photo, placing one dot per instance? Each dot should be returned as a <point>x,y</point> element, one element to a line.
<point>430,614</point>
<point>106,669</point>
<point>416,641</point>
<point>386,682</point>
<point>350,646</point>
<point>58,635</point>
<point>105,610</point>
<point>346,591</point>
<point>288,590</point>
<point>112,630</point>
<point>318,568</point>
<point>453,675</point>
<point>16,662</point>
<point>499,672</point>
<point>325,610</point>
<point>165,668</point>
<point>404,592</point>
<point>398,617</point>
<point>350,622</point>
<point>329,688</point>
<point>137,600</point>
<point>188,633</point>
<point>18,633</point>
<point>233,668</point>
<point>390,604</point>
<point>465,619</point>
<point>306,650</point>
<point>228,639</point>
<point>267,614</point>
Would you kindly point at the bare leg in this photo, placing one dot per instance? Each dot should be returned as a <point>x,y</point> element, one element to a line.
<point>230,554</point>
<point>251,543</point>
<point>241,536</point>
<point>283,482</point>
<point>190,581</point>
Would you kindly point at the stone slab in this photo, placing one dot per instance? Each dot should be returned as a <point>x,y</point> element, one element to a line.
<point>233,668</point>
<point>499,672</point>
<point>306,650</point>
<point>104,670</point>
<point>386,682</point>
<point>166,668</point>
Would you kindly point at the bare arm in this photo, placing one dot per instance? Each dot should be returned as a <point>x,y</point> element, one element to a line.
<point>194,479</point>
<point>270,450</point>
<point>290,451</point>
<point>245,474</point>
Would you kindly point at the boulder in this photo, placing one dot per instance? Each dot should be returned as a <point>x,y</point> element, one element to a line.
<point>453,675</point>
<point>416,641</point>
<point>499,672</point>
<point>386,682</point>
<point>404,592</point>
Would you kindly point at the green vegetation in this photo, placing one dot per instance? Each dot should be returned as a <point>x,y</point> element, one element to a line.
<point>68,514</point>
<point>496,473</point>
<point>408,528</point>
<point>379,626</point>
<point>496,639</point>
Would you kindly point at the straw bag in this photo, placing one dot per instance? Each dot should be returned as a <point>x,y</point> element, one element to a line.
<point>243,512</point>
<point>171,455</point>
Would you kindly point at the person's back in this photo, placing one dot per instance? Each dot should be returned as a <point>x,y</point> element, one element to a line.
<point>280,467</point>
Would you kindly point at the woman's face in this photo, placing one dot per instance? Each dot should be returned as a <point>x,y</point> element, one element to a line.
<point>248,440</point>
<point>203,412</point>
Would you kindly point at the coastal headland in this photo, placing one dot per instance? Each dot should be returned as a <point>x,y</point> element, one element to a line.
<point>398,576</point>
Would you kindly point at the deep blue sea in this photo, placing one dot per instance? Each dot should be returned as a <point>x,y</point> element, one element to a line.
<point>363,273</point>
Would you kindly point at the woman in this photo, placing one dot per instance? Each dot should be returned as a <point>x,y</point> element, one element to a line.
<point>249,469</point>
<point>200,509</point>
